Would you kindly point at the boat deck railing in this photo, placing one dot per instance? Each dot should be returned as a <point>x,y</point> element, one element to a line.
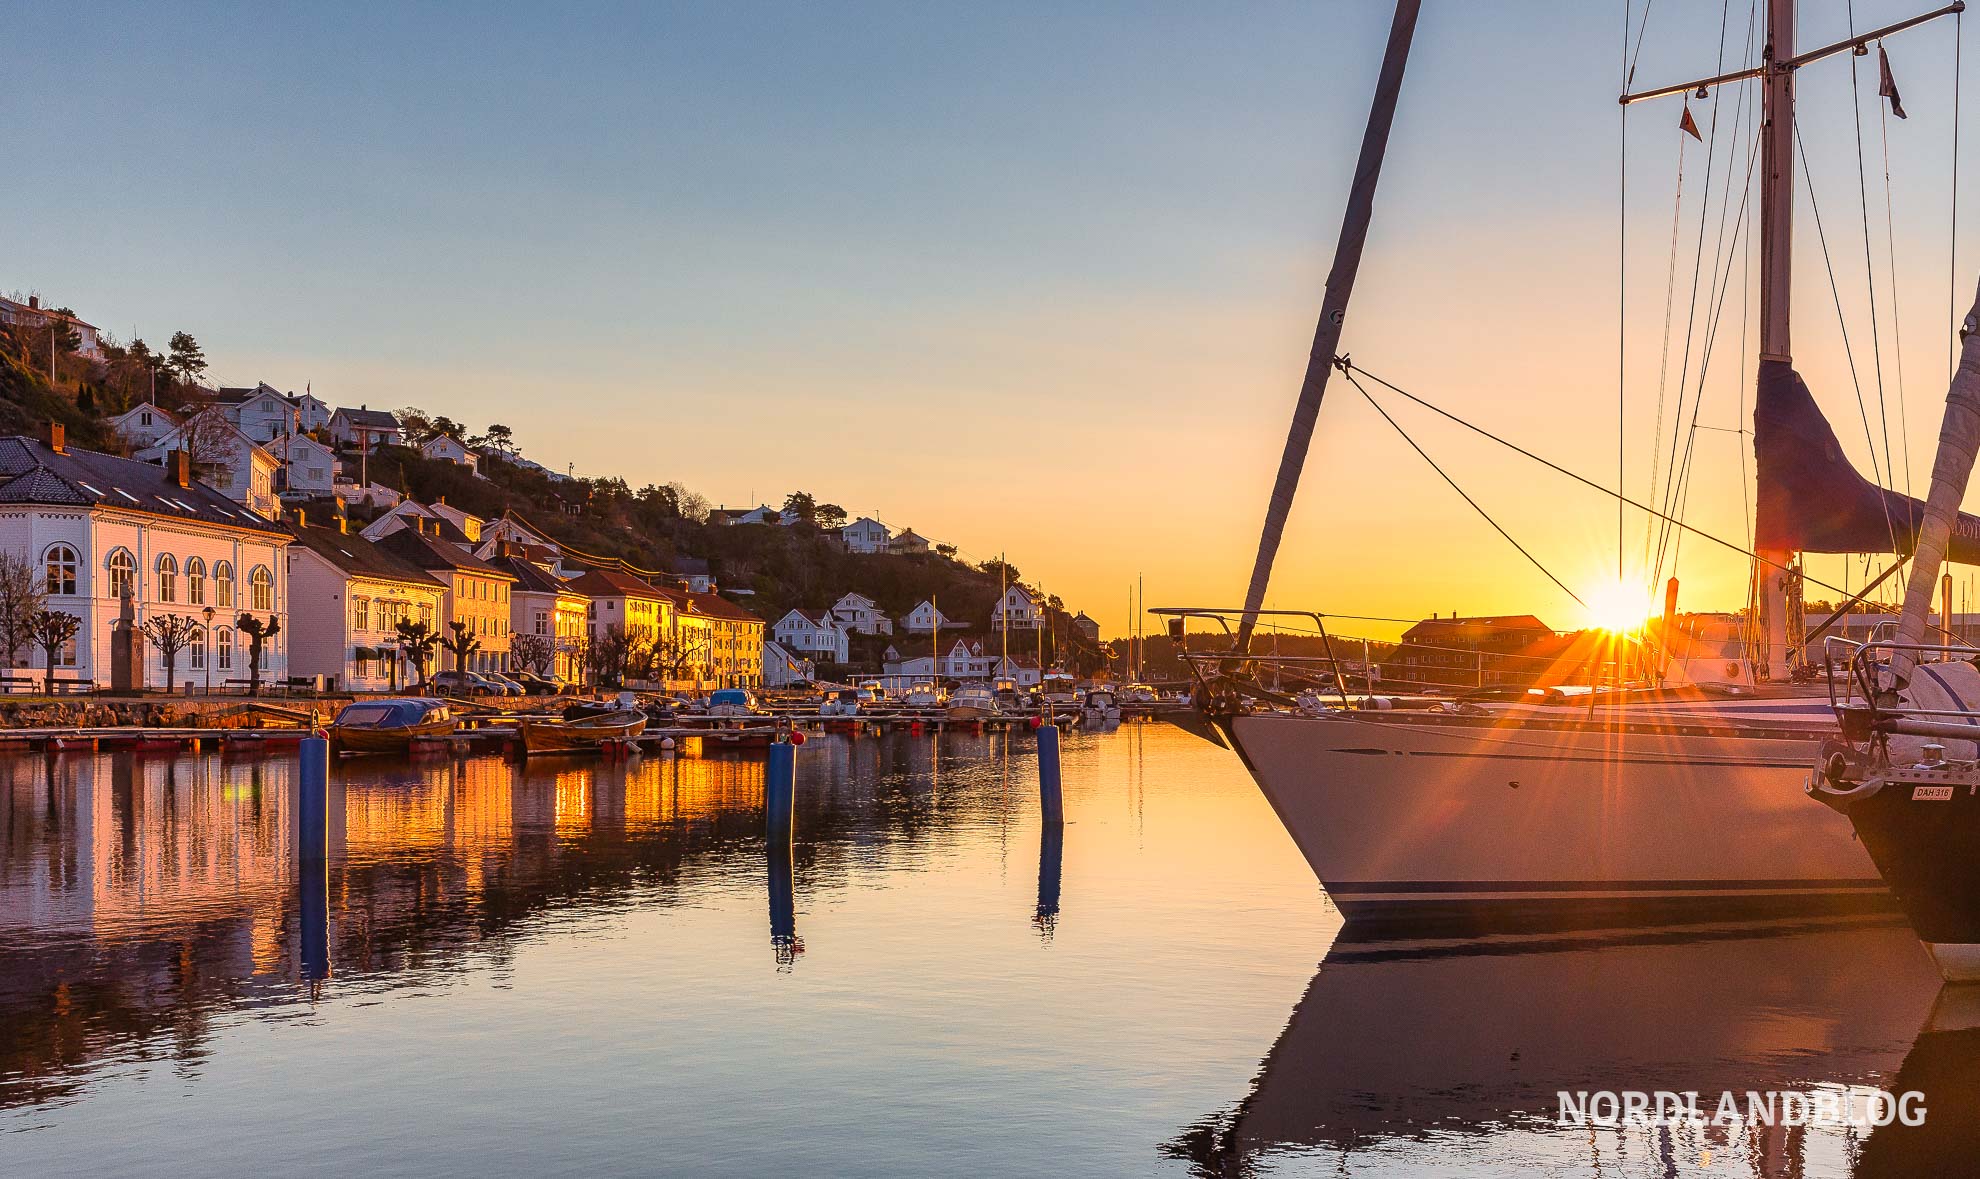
<point>1858,678</point>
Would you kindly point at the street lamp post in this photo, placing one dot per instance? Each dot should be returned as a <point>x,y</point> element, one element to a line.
<point>206,649</point>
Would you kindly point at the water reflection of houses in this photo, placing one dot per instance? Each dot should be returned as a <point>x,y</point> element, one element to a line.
<point>140,897</point>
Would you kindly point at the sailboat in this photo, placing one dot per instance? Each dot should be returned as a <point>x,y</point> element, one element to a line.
<point>1628,807</point>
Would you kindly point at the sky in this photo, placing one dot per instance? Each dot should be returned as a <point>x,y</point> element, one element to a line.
<point>1035,279</point>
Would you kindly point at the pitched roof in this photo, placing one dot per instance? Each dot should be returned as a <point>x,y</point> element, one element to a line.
<point>531,577</point>
<point>717,606</point>
<point>429,552</point>
<point>1478,626</point>
<point>610,583</point>
<point>378,418</point>
<point>354,554</point>
<point>814,617</point>
<point>30,473</point>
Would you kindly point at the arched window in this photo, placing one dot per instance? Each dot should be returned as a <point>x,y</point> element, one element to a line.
<point>261,589</point>
<point>61,569</point>
<point>223,583</point>
<point>198,645</point>
<point>223,648</point>
<point>168,577</point>
<point>123,574</point>
<point>195,581</point>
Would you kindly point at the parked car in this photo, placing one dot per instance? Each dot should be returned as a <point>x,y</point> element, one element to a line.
<point>468,683</point>
<point>538,685</point>
<point>510,685</point>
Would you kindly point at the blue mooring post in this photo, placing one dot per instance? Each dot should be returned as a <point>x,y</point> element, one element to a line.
<point>313,856</point>
<point>313,801</point>
<point>780,791</point>
<point>1051,806</point>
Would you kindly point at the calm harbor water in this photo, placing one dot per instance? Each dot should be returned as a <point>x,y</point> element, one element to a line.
<point>585,968</point>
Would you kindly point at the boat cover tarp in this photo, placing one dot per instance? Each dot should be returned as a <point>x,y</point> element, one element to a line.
<point>1811,499</point>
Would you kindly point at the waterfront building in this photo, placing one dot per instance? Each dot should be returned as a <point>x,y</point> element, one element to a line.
<point>224,457</point>
<point>101,529</point>
<point>818,634</point>
<point>924,618</point>
<point>143,424</point>
<point>348,596</point>
<point>866,535</point>
<point>730,638</point>
<point>364,429</point>
<point>477,594</point>
<point>546,606</point>
<point>1019,608</point>
<point>862,615</point>
<point>964,659</point>
<point>644,611</point>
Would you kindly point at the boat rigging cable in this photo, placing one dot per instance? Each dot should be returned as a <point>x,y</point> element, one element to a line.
<point>1842,326</point>
<point>1350,370</point>
<point>1869,272</point>
<point>1691,302</point>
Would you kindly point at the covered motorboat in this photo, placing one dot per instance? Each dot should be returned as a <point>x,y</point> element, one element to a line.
<point>391,725</point>
<point>972,702</point>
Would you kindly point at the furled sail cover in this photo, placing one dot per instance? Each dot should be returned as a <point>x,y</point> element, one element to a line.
<point>1811,499</point>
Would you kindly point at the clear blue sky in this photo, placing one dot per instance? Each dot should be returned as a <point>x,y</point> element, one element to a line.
<point>1039,277</point>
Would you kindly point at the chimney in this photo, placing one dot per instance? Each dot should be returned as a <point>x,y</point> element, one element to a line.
<point>182,468</point>
<point>34,302</point>
<point>442,501</point>
<point>57,437</point>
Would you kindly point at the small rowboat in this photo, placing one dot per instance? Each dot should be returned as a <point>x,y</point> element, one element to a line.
<point>587,734</point>
<point>392,725</point>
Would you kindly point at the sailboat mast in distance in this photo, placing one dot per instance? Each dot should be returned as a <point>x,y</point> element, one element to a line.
<point>1333,310</point>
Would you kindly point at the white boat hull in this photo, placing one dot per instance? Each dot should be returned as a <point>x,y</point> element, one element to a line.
<point>1483,823</point>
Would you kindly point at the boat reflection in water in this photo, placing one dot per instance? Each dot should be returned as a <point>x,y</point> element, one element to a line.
<point>1425,1055</point>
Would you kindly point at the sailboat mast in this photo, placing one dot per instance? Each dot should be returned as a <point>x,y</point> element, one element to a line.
<point>1777,182</point>
<point>1770,661</point>
<point>1333,310</point>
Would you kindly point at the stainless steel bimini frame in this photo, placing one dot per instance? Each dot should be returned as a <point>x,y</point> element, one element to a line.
<point>1864,706</point>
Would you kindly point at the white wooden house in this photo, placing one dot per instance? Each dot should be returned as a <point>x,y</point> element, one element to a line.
<point>812,633</point>
<point>447,448</point>
<point>925,617</point>
<point>263,413</point>
<point>363,428</point>
<point>101,529</point>
<point>861,615</point>
<point>1019,607</point>
<point>142,425</point>
<point>866,535</point>
<point>309,468</point>
<point>228,460</point>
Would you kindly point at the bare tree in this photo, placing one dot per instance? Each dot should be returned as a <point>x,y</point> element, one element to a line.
<point>674,656</point>
<point>23,594</point>
<point>460,644</point>
<point>616,656</point>
<point>535,652</point>
<point>52,631</point>
<point>171,634</point>
<point>209,440</point>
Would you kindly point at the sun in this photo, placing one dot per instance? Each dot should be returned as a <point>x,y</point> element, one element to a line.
<point>1618,608</point>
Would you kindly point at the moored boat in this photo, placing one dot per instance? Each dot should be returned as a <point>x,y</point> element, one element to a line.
<point>972,702</point>
<point>391,725</point>
<point>1099,707</point>
<point>584,734</point>
<point>922,695</point>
